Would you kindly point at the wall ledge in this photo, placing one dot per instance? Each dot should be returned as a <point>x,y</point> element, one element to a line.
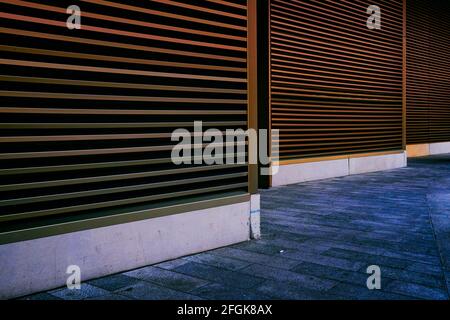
<point>343,166</point>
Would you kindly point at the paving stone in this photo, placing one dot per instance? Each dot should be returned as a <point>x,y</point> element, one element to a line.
<point>411,276</point>
<point>172,264</point>
<point>218,261</point>
<point>40,296</point>
<point>303,280</point>
<point>367,259</point>
<point>261,247</point>
<point>110,296</point>
<point>363,293</point>
<point>267,236</point>
<point>447,279</point>
<point>288,291</point>
<point>327,272</point>
<point>86,291</point>
<point>217,291</point>
<point>345,264</point>
<point>304,246</point>
<point>272,261</point>
<point>416,290</point>
<point>114,282</point>
<point>377,249</point>
<point>425,268</point>
<point>218,275</point>
<point>148,291</point>
<point>167,278</point>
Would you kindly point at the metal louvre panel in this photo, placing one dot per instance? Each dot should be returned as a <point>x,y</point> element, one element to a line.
<point>336,86</point>
<point>428,69</point>
<point>87,115</point>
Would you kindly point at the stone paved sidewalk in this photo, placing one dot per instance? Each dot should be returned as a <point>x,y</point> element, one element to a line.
<point>318,240</point>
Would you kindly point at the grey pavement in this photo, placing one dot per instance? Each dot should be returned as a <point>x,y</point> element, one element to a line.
<point>318,238</point>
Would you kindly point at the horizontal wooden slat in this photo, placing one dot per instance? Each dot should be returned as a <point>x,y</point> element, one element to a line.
<point>119,112</point>
<point>115,70</point>
<point>103,151</point>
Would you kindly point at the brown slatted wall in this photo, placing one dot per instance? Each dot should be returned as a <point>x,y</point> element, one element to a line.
<point>87,115</point>
<point>428,70</point>
<point>336,86</point>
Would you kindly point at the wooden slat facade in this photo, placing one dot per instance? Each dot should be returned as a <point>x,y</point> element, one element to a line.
<point>428,70</point>
<point>335,86</point>
<point>87,115</point>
